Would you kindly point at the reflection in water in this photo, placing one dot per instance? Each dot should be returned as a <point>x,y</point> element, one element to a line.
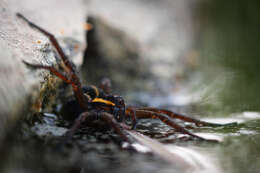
<point>211,136</point>
<point>238,117</point>
<point>188,159</point>
<point>200,160</point>
<point>195,157</point>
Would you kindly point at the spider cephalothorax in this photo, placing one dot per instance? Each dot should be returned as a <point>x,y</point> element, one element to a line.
<point>97,100</point>
<point>93,102</point>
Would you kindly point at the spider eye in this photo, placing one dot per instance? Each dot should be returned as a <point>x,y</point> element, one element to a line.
<point>120,101</point>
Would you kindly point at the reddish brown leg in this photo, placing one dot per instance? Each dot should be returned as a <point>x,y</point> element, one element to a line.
<point>51,69</point>
<point>69,67</point>
<point>109,118</point>
<point>130,111</point>
<point>171,114</point>
<point>90,116</point>
<point>82,117</point>
<point>52,39</point>
<point>164,118</point>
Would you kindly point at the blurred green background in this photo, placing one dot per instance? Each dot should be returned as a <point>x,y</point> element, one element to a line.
<point>229,52</point>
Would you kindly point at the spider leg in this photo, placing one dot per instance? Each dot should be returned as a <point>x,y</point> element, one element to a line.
<point>171,114</point>
<point>76,86</point>
<point>82,117</point>
<point>131,112</point>
<point>52,39</point>
<point>165,119</point>
<point>52,70</point>
<point>69,68</point>
<point>109,118</point>
<point>133,116</point>
<point>90,116</point>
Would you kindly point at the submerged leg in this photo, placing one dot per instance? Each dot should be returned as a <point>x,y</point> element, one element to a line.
<point>171,114</point>
<point>165,119</point>
<point>131,112</point>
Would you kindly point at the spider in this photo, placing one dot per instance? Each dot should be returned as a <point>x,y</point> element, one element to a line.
<point>97,103</point>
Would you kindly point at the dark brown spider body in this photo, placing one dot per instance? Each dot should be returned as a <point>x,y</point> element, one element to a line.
<point>99,101</point>
<point>92,103</point>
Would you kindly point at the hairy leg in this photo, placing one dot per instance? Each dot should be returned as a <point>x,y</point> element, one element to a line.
<point>93,115</point>
<point>171,114</point>
<point>52,39</point>
<point>118,127</point>
<point>165,119</point>
<point>52,70</point>
<point>71,76</point>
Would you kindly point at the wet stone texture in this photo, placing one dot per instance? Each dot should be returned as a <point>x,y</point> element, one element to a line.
<point>95,150</point>
<point>112,53</point>
<point>19,42</point>
<point>90,149</point>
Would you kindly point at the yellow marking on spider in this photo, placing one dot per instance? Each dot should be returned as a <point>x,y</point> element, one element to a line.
<point>96,90</point>
<point>103,101</point>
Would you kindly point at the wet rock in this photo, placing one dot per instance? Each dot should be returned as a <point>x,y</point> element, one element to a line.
<point>114,54</point>
<point>159,39</point>
<point>20,42</point>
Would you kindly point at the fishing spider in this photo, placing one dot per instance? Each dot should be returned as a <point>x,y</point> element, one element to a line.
<point>95,103</point>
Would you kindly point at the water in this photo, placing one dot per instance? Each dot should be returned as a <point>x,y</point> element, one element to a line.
<point>159,150</point>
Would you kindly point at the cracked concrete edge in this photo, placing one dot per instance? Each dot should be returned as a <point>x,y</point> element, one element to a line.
<point>20,42</point>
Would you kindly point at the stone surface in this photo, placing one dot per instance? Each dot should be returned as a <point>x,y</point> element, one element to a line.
<point>162,30</point>
<point>112,53</point>
<point>19,42</point>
